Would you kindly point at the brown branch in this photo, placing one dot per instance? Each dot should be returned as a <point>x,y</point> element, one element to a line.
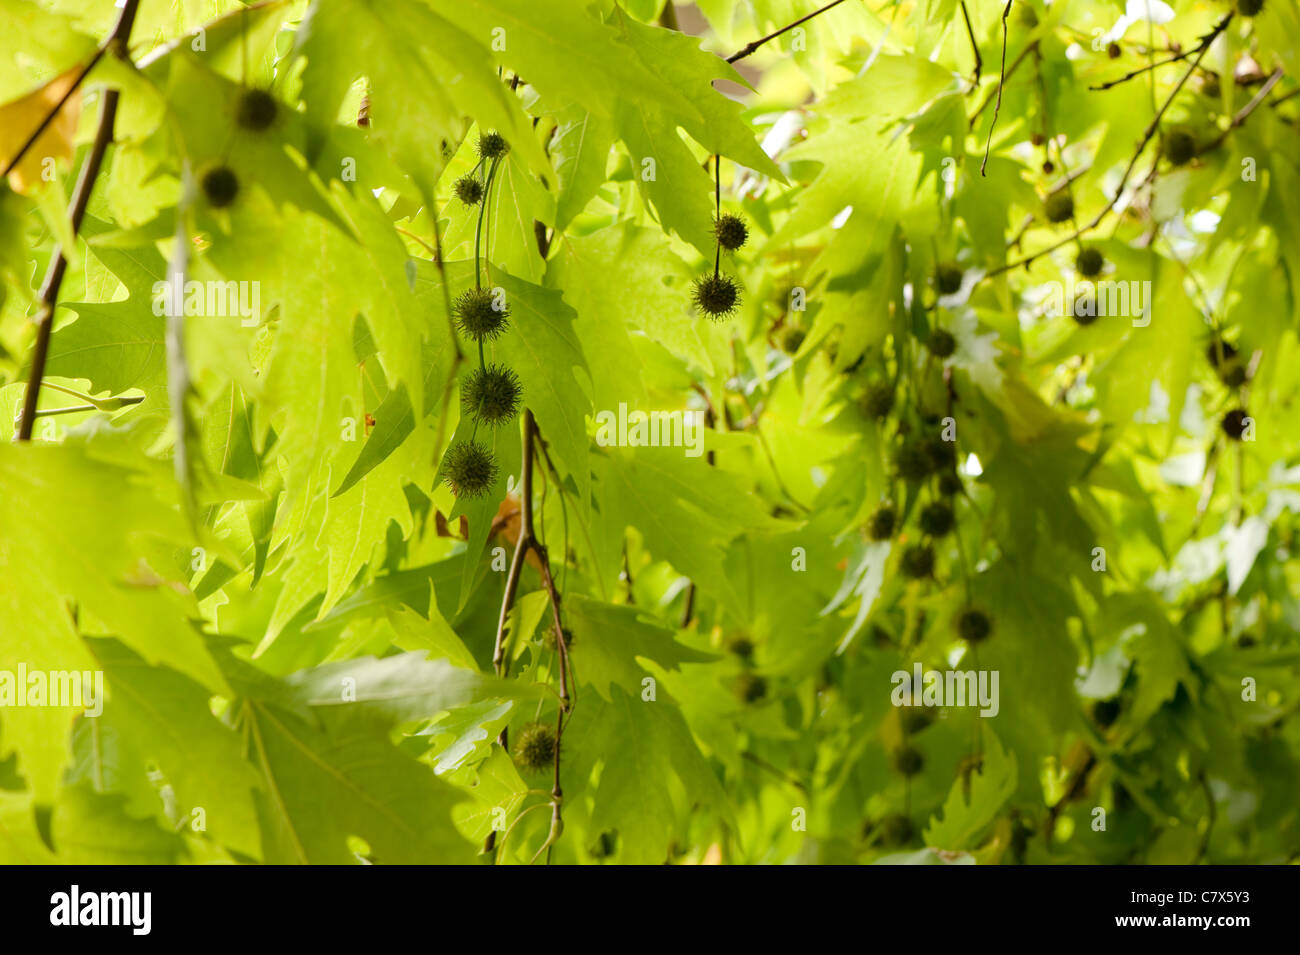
<point>710,419</point>
<point>1244,113</point>
<point>1145,69</point>
<point>528,541</point>
<point>117,42</point>
<point>1128,171</point>
<point>49,117</point>
<point>1010,71</point>
<point>1002,78</point>
<point>974,47</point>
<point>755,44</point>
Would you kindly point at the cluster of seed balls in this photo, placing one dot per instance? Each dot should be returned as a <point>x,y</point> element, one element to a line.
<point>749,687</point>
<point>256,112</point>
<point>717,294</point>
<point>1233,373</point>
<point>896,829</point>
<point>492,393</point>
<point>918,459</point>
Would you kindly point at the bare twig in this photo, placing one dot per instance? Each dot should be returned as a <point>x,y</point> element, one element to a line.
<point>528,541</point>
<point>1002,78</point>
<point>974,47</point>
<point>1145,69</point>
<point>49,117</point>
<point>1147,135</point>
<point>117,41</point>
<point>1244,113</point>
<point>755,44</point>
<point>1010,71</point>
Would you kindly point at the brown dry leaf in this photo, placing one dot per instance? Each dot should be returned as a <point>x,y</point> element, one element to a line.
<point>506,524</point>
<point>20,118</point>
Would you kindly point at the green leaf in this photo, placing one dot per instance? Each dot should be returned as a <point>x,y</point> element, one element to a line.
<point>651,773</point>
<point>165,719</point>
<point>609,642</point>
<point>397,689</point>
<point>965,817</point>
<point>322,787</point>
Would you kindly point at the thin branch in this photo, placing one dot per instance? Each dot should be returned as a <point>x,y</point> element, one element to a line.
<point>710,419</point>
<point>1002,78</point>
<point>117,41</point>
<point>1244,113</point>
<point>1145,69</point>
<point>974,47</point>
<point>755,44</point>
<point>1010,71</point>
<point>528,541</point>
<point>49,117</point>
<point>1128,171</point>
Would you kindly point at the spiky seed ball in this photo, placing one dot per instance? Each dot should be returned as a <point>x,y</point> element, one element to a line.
<point>879,400</point>
<point>1210,86</point>
<point>730,231</point>
<point>1232,373</point>
<point>1090,262</point>
<point>469,469</point>
<point>535,747</point>
<point>1059,207</point>
<point>548,640</point>
<point>896,830</point>
<point>947,277</point>
<point>1084,309</point>
<point>1113,51</point>
<point>750,687</point>
<point>256,110</point>
<point>974,626</point>
<point>477,314</point>
<point>908,760</point>
<point>740,645</point>
<point>220,186</point>
<point>792,339</point>
<point>1227,363</point>
<point>918,561</point>
<point>937,519</point>
<point>915,718</point>
<point>716,295</point>
<point>942,454</point>
<point>1219,352</point>
<point>941,343</point>
<point>949,484</point>
<point>469,190</point>
<point>1234,424</point>
<point>606,845</point>
<point>492,145</point>
<point>491,394</point>
<point>913,462</point>
<point>1180,146</point>
<point>1105,712</point>
<point>880,526</point>
<point>1249,8</point>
